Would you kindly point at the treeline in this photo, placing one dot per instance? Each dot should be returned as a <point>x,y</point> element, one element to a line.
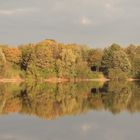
<point>48,59</point>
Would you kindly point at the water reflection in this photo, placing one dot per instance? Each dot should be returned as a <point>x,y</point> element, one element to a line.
<point>49,101</point>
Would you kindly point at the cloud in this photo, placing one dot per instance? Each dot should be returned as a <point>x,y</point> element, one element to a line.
<point>108,5</point>
<point>91,18</point>
<point>85,127</point>
<point>9,12</point>
<point>85,21</point>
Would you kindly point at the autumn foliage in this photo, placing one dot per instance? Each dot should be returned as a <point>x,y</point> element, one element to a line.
<point>12,55</point>
<point>51,59</point>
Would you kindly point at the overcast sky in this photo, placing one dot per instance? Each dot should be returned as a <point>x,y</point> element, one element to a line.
<point>92,22</point>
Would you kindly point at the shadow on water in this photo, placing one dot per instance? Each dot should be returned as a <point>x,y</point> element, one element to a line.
<point>24,98</point>
<point>50,101</point>
<point>103,89</point>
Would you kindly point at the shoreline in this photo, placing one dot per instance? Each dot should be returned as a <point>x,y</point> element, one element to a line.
<point>61,80</point>
<point>6,80</point>
<point>133,79</point>
<point>55,80</point>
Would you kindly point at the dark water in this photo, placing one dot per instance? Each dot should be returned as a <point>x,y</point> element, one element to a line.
<point>77,111</point>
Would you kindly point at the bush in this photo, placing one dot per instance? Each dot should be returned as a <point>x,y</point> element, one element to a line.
<point>117,74</point>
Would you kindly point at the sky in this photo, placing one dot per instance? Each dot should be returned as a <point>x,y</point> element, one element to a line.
<point>96,23</point>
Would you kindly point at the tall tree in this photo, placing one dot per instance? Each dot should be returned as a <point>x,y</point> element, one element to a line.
<point>95,58</point>
<point>114,57</point>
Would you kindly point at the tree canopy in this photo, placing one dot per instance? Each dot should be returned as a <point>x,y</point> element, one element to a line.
<point>49,59</point>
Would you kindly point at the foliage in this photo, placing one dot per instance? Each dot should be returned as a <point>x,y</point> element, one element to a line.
<point>133,53</point>
<point>51,59</point>
<point>12,55</point>
<point>9,62</point>
<point>115,58</point>
<point>95,58</point>
<point>117,74</point>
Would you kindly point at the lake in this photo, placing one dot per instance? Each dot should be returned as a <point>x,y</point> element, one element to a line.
<point>70,111</point>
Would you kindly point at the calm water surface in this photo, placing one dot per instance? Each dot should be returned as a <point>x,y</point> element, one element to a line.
<point>77,111</point>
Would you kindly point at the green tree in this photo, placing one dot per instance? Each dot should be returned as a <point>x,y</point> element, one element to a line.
<point>114,57</point>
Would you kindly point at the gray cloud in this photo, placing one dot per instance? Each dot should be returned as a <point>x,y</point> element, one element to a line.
<point>11,12</point>
<point>97,23</point>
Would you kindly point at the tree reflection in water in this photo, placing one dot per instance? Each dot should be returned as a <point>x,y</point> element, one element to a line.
<point>49,101</point>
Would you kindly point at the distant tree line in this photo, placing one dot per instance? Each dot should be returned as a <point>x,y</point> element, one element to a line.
<point>49,59</point>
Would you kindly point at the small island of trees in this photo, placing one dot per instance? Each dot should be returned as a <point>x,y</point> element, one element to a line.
<point>50,59</point>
